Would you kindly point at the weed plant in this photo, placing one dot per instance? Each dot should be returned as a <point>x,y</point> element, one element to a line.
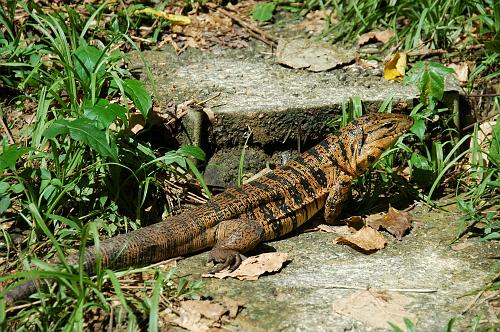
<point>65,179</point>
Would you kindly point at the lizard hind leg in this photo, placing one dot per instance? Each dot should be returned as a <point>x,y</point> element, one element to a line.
<point>233,238</point>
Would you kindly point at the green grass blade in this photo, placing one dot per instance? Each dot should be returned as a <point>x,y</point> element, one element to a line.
<point>154,305</point>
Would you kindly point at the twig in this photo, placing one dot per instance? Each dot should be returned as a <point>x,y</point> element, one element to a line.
<point>7,131</point>
<point>474,300</point>
<point>21,306</point>
<point>478,122</point>
<point>484,95</point>
<point>401,290</point>
<point>426,52</point>
<point>251,28</point>
<point>478,295</point>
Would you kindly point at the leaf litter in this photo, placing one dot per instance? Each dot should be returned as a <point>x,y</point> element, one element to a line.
<point>253,267</point>
<point>375,307</point>
<point>202,315</point>
<point>363,233</point>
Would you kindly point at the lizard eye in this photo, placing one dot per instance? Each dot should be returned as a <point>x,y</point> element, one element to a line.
<point>388,125</point>
<point>371,159</point>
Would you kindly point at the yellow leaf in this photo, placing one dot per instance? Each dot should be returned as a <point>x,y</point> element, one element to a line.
<point>395,68</point>
<point>175,19</point>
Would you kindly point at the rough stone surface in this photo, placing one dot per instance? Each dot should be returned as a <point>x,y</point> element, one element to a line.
<point>279,104</point>
<point>302,297</point>
<point>283,106</point>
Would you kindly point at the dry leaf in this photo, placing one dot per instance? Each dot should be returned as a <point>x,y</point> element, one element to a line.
<point>198,315</point>
<point>136,122</point>
<point>394,221</point>
<point>340,230</point>
<point>375,308</point>
<point>232,306</point>
<point>355,222</point>
<point>367,239</point>
<point>381,36</point>
<point>255,266</point>
<point>396,67</point>
<point>461,71</point>
<point>312,55</point>
<point>484,136</point>
<point>174,19</point>
<point>208,309</point>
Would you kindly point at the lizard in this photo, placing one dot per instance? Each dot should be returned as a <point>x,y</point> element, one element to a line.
<point>238,219</point>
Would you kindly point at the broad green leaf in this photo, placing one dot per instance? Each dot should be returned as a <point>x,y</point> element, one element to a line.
<point>87,60</point>
<point>105,113</point>
<point>418,128</point>
<point>85,131</point>
<point>422,170</point>
<point>17,188</point>
<point>414,75</point>
<point>135,90</point>
<point>429,77</point>
<point>439,69</point>
<point>172,157</point>
<point>192,151</point>
<point>56,128</point>
<point>4,203</point>
<point>4,186</point>
<point>10,155</point>
<point>263,12</point>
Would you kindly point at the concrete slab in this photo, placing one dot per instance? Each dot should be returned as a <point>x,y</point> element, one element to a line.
<point>279,104</point>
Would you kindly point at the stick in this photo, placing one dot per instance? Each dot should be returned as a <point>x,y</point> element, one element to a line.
<point>7,131</point>
<point>252,29</point>
<point>401,290</point>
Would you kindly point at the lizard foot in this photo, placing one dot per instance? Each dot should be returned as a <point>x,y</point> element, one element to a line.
<point>225,258</point>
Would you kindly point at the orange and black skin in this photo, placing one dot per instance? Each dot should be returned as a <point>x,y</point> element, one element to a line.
<point>267,208</point>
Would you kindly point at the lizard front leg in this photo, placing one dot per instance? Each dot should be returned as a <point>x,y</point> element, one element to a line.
<point>336,197</point>
<point>233,238</point>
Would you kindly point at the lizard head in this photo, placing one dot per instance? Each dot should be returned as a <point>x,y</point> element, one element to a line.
<point>368,136</point>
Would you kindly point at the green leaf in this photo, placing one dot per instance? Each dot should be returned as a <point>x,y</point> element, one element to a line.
<point>87,62</point>
<point>439,69</point>
<point>494,154</point>
<point>192,151</point>
<point>135,90</point>
<point>85,131</point>
<point>491,236</point>
<point>4,203</point>
<point>4,186</point>
<point>105,113</point>
<point>418,128</point>
<point>17,188</point>
<point>422,170</point>
<point>263,12</point>
<point>10,155</point>
<point>429,78</point>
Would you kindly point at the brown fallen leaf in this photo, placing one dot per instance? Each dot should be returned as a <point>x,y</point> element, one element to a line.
<point>381,36</point>
<point>253,267</point>
<point>340,230</point>
<point>312,55</point>
<point>208,309</point>
<point>367,239</point>
<point>395,222</point>
<point>375,308</point>
<point>396,67</point>
<point>233,306</point>
<point>461,71</point>
<point>355,222</point>
<point>484,136</point>
<point>198,315</point>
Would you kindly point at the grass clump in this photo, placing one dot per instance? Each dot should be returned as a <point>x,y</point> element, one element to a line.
<point>75,171</point>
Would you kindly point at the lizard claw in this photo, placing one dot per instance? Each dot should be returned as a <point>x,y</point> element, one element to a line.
<point>224,258</point>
